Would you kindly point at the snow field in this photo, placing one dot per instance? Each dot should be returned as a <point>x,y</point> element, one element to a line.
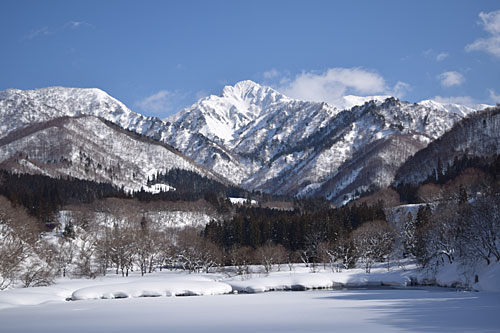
<point>118,304</point>
<point>179,283</point>
<point>408,310</point>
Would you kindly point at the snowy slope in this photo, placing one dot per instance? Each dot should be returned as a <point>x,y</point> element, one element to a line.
<point>365,145</point>
<point>20,108</point>
<point>461,110</point>
<point>86,147</point>
<point>258,138</point>
<point>254,123</point>
<point>220,117</point>
<point>287,146</point>
<point>477,135</point>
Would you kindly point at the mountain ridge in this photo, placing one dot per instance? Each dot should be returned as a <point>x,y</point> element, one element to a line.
<point>258,138</point>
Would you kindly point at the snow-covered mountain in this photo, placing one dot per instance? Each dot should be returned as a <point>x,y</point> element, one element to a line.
<point>253,123</point>
<point>220,117</point>
<point>475,136</point>
<point>461,110</point>
<point>88,147</point>
<point>260,139</point>
<point>288,146</point>
<point>362,146</point>
<point>20,108</point>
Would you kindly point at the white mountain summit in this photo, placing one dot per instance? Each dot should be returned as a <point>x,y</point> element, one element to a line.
<point>220,117</point>
<point>258,138</point>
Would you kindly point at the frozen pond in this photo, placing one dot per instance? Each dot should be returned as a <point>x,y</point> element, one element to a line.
<point>356,310</point>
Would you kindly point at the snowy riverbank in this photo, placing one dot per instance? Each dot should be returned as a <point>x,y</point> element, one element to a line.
<point>178,283</point>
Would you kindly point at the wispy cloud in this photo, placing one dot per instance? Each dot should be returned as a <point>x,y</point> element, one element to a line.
<point>162,103</point>
<point>441,56</point>
<point>400,89</point>
<point>462,100</point>
<point>43,31</point>
<point>434,55</point>
<point>428,53</point>
<point>491,44</point>
<point>78,24</point>
<point>450,79</point>
<point>494,97</point>
<point>271,74</point>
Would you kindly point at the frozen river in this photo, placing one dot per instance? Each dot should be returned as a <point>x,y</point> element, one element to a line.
<point>360,310</point>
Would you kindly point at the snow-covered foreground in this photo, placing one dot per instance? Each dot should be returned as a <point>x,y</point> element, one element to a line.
<point>180,283</point>
<point>386,310</point>
<point>126,304</point>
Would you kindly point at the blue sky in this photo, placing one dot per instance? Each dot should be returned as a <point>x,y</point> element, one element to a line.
<point>160,56</point>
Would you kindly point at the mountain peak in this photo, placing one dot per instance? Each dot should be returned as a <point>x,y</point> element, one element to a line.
<point>247,90</point>
<point>18,108</point>
<point>461,110</point>
<point>245,85</point>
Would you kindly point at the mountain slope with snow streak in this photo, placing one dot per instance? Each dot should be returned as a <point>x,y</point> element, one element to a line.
<point>258,138</point>
<point>88,147</point>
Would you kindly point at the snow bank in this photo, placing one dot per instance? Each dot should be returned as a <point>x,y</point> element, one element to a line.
<point>378,277</point>
<point>298,281</point>
<point>185,286</point>
<point>29,296</point>
<point>489,280</point>
<point>169,283</point>
<point>457,275</point>
<point>303,279</point>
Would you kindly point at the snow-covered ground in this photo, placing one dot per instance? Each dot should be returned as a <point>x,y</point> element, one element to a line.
<point>381,301</point>
<point>365,310</point>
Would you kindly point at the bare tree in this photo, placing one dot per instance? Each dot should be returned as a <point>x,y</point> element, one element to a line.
<point>13,252</point>
<point>167,250</point>
<point>328,255</point>
<point>430,193</point>
<point>311,252</point>
<point>271,254</point>
<point>439,237</point>
<point>374,242</point>
<point>84,258</point>
<point>480,230</point>
<point>409,236</point>
<point>241,258</point>
<point>346,251</point>
<point>19,232</point>
<point>146,241</point>
<point>196,253</point>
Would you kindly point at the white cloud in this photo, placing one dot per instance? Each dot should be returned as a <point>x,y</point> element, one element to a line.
<point>462,100</point>
<point>400,89</point>
<point>491,22</point>
<point>428,52</point>
<point>332,84</point>
<point>77,24</point>
<point>161,103</point>
<point>43,31</point>
<point>431,54</point>
<point>494,97</point>
<point>271,74</point>
<point>491,44</point>
<point>441,56</point>
<point>450,79</point>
